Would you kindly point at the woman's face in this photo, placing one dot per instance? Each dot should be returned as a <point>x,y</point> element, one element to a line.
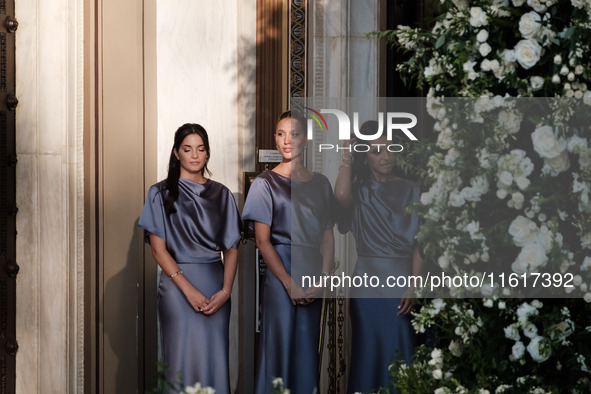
<point>192,155</point>
<point>290,138</point>
<point>379,160</point>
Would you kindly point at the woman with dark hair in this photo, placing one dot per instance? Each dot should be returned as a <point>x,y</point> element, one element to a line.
<point>190,222</point>
<point>290,208</point>
<point>373,198</point>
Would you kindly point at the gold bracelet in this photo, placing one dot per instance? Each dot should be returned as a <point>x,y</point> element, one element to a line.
<point>225,291</point>
<point>175,274</point>
<point>344,165</point>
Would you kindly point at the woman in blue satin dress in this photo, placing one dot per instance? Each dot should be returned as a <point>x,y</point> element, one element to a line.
<point>290,207</point>
<point>190,222</point>
<point>373,199</point>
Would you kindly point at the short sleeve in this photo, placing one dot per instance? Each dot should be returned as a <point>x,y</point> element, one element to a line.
<point>153,214</point>
<point>233,227</point>
<point>259,203</point>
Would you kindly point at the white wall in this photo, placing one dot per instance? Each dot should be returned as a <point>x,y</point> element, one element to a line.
<point>206,75</point>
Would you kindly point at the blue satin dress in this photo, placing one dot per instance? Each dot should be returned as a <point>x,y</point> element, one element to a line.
<point>206,222</point>
<point>298,214</point>
<point>385,237</point>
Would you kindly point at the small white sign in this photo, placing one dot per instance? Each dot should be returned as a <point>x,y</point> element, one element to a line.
<point>269,156</point>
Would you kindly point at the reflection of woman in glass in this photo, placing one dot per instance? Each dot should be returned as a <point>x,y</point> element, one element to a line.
<point>374,198</point>
<point>189,222</point>
<point>290,207</point>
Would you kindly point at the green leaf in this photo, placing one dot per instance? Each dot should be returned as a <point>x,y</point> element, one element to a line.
<point>440,41</point>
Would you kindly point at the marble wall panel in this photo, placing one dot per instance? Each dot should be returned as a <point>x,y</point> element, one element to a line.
<point>49,72</point>
<point>27,321</point>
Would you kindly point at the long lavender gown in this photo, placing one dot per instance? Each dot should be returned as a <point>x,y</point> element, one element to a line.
<point>385,237</point>
<point>298,214</point>
<point>206,222</point>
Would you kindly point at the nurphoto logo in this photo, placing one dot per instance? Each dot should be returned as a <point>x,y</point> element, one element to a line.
<point>388,123</point>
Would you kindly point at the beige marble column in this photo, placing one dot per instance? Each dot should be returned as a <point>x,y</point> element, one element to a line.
<point>49,87</point>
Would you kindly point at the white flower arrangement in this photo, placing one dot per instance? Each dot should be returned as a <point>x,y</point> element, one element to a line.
<point>504,186</point>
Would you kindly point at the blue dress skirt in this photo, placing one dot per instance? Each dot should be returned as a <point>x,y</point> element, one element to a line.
<point>204,222</point>
<point>298,214</point>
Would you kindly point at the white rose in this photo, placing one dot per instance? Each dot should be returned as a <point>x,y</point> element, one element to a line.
<point>445,139</point>
<point>537,5</point>
<point>495,66</point>
<point>557,59</point>
<point>484,49</point>
<point>536,83</point>
<point>456,199</point>
<point>508,56</point>
<point>555,79</point>
<point>525,310</point>
<point>468,66</point>
<point>501,193</point>
<point>576,142</point>
<point>505,178</point>
<point>437,374</point>
<point>426,198</point>
<point>530,24</point>
<point>585,159</point>
<point>556,165</point>
<point>522,182</point>
<point>527,53</point>
<point>456,348</point>
<point>563,70</point>
<point>478,17</point>
<point>436,357</point>
<point>539,349</point>
<point>523,230</point>
<point>517,350</point>
<point>470,194</point>
<point>587,297</point>
<point>482,36</point>
<point>472,228</point>
<point>518,200</point>
<point>526,166</point>
<point>531,257</point>
<point>480,184</point>
<point>546,143</point>
<point>443,262</point>
<point>518,3</point>
<point>511,332</point>
<point>530,330</point>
